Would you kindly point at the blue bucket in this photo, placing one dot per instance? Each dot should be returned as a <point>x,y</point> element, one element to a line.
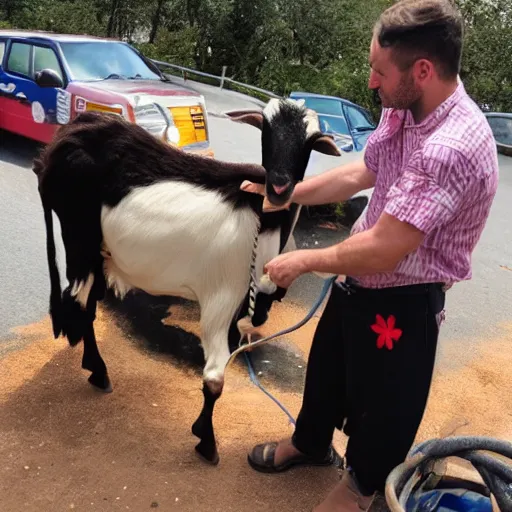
<point>449,500</point>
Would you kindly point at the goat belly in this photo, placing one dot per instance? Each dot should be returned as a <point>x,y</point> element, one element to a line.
<point>174,238</point>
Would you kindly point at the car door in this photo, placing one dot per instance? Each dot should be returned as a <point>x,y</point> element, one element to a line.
<point>14,82</point>
<point>360,125</point>
<point>3,85</point>
<point>28,109</point>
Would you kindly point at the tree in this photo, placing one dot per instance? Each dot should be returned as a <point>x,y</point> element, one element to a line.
<point>313,45</point>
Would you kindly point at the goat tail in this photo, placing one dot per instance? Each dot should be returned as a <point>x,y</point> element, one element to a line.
<point>56,309</point>
<point>66,314</point>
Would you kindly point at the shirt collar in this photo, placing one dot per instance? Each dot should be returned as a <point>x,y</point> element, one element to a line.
<point>393,120</point>
<point>438,114</point>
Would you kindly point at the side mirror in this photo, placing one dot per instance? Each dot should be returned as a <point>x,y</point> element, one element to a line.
<point>48,78</point>
<point>344,144</point>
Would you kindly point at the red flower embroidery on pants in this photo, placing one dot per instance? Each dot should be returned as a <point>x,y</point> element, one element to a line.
<point>386,331</point>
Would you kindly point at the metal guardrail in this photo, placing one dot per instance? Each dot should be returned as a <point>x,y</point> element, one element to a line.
<point>222,79</point>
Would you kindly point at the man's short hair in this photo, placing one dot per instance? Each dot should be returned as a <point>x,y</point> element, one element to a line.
<point>429,29</point>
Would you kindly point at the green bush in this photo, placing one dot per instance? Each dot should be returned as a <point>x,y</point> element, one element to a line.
<point>174,47</point>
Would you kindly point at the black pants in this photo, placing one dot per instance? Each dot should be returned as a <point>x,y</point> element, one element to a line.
<point>369,374</point>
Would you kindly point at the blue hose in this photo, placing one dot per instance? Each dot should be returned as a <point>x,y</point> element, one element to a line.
<point>256,382</point>
<point>408,488</point>
<point>249,346</point>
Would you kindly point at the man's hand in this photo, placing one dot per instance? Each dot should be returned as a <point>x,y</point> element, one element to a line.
<point>256,188</point>
<point>253,188</point>
<point>287,267</point>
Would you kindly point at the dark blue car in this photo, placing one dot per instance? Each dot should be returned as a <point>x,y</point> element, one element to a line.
<point>349,123</point>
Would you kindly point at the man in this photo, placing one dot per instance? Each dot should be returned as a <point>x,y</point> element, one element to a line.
<point>433,164</point>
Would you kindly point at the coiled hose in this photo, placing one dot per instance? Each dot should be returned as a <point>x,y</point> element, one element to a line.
<point>422,460</point>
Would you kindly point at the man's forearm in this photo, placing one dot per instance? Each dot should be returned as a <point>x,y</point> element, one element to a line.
<point>379,249</point>
<point>361,254</point>
<point>335,185</point>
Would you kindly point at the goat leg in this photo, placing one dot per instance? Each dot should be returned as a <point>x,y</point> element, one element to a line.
<point>93,361</point>
<point>203,427</point>
<point>217,313</point>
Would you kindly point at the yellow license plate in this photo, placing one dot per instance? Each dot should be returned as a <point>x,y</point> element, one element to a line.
<point>190,123</point>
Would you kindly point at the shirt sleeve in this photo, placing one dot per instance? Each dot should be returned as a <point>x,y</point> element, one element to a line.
<point>431,189</point>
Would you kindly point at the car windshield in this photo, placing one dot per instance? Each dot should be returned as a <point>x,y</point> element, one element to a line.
<point>333,124</point>
<point>359,120</point>
<point>101,60</point>
<point>324,105</point>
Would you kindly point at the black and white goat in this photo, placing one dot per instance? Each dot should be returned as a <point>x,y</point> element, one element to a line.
<point>136,213</point>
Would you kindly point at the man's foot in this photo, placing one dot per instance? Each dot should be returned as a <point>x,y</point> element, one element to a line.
<point>277,457</point>
<point>345,497</point>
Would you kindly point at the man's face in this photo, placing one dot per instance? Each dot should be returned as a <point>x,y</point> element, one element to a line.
<point>396,89</point>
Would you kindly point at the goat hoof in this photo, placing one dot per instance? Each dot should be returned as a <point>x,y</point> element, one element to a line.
<point>208,453</point>
<point>100,382</point>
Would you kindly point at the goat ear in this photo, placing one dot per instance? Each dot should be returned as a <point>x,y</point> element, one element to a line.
<point>300,102</point>
<point>252,117</point>
<point>326,145</point>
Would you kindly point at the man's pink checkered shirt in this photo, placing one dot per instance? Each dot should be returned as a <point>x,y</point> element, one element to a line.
<point>440,176</point>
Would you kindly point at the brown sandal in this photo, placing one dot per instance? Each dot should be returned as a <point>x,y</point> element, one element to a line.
<point>262,459</point>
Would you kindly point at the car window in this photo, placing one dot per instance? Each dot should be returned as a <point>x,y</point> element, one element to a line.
<point>324,106</point>
<point>19,59</point>
<point>332,124</point>
<point>358,120</point>
<point>2,51</point>
<point>45,58</point>
<point>99,60</point>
